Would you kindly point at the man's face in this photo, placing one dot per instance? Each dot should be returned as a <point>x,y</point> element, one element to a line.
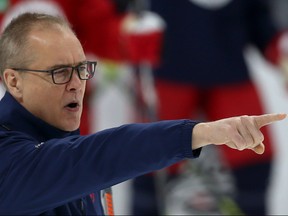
<point>58,105</point>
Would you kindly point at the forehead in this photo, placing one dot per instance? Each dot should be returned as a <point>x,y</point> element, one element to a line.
<point>55,45</point>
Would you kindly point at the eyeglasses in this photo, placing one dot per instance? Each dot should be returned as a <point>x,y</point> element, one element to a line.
<point>63,75</point>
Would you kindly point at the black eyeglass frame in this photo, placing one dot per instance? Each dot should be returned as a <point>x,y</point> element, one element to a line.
<point>51,71</point>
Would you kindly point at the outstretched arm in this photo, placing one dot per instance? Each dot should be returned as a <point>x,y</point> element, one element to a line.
<point>240,133</point>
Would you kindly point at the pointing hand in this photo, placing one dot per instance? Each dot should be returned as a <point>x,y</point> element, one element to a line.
<point>240,133</point>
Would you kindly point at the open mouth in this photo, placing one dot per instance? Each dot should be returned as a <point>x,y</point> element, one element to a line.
<point>72,105</point>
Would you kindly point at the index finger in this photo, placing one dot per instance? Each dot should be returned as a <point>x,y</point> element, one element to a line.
<point>266,119</point>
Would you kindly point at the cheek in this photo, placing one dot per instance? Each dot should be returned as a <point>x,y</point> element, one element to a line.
<point>42,100</point>
<point>38,95</point>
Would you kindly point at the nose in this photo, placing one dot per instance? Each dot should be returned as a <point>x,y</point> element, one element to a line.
<point>75,84</point>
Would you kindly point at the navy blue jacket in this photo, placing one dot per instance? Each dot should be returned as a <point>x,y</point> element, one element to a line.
<point>204,47</point>
<point>47,171</point>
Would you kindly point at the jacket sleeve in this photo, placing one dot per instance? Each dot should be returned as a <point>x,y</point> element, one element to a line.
<point>40,176</point>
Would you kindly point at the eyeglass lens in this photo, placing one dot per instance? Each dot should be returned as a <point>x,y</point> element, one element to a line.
<point>63,75</point>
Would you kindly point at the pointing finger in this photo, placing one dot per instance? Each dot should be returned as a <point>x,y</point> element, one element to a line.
<point>266,119</point>
<point>259,149</point>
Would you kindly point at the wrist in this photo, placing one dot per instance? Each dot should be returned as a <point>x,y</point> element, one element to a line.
<point>200,136</point>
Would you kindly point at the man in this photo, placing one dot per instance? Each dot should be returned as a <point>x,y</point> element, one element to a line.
<point>46,167</point>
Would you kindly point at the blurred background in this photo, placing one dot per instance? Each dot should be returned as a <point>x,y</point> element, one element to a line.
<point>200,59</point>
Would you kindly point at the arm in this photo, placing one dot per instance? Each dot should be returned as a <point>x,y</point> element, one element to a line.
<point>261,26</point>
<point>61,170</point>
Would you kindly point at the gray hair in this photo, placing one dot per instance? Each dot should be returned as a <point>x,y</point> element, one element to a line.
<point>14,42</point>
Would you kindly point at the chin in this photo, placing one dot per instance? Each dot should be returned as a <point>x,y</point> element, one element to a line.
<point>70,127</point>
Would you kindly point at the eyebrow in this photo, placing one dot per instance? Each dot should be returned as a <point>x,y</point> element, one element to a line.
<point>65,65</point>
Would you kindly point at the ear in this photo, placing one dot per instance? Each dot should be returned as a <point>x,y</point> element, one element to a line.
<point>14,83</point>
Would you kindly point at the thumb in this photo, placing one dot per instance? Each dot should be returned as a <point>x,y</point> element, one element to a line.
<point>259,149</point>
<point>266,119</point>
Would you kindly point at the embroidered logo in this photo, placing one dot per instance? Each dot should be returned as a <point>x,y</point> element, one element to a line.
<point>39,145</point>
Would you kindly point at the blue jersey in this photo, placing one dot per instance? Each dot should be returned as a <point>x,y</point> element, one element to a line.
<point>47,171</point>
<point>204,46</point>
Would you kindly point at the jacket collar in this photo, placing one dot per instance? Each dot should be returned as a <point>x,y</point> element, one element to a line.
<point>15,117</point>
